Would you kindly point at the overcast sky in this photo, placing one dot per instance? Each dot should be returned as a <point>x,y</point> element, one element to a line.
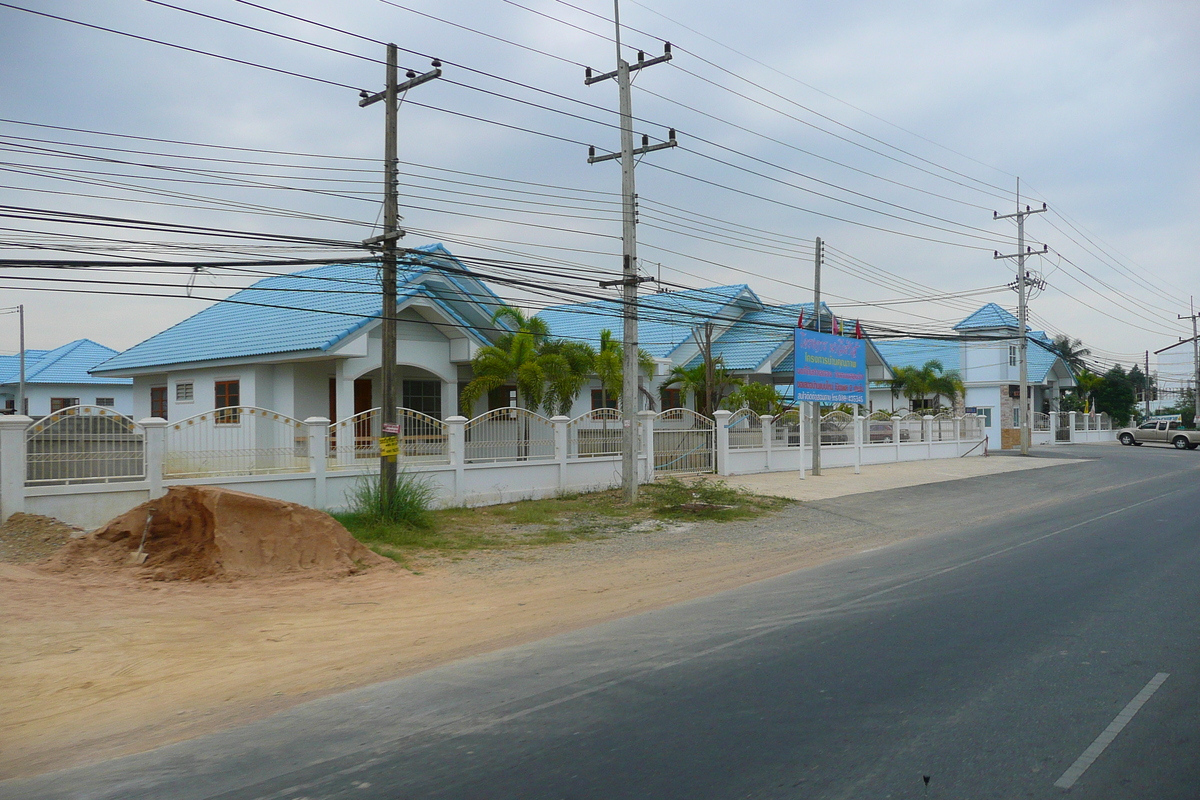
<point>891,130</point>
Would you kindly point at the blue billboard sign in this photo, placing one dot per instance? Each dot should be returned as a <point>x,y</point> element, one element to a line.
<point>830,369</point>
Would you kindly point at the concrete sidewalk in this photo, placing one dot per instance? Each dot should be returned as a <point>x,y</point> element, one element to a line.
<point>879,477</point>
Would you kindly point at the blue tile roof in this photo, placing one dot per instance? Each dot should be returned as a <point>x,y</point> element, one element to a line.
<point>305,311</point>
<point>667,319</point>
<point>67,364</point>
<point>988,316</point>
<point>915,352</point>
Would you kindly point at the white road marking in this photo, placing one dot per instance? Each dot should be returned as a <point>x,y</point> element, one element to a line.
<point>1106,737</point>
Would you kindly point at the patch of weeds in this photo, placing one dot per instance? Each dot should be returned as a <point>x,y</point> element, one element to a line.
<point>707,499</point>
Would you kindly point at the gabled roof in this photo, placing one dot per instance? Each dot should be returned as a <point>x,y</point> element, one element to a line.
<point>989,316</point>
<point>667,320</point>
<point>311,310</point>
<point>752,339</point>
<point>67,364</point>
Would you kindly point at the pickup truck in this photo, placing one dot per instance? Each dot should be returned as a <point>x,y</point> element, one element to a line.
<point>1160,432</point>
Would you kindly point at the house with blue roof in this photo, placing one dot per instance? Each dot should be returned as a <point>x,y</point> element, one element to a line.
<point>986,355</point>
<point>60,378</point>
<point>753,340</point>
<point>309,343</point>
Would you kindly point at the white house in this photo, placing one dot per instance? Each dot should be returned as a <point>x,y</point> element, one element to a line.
<point>986,355</point>
<point>59,378</point>
<point>308,344</point>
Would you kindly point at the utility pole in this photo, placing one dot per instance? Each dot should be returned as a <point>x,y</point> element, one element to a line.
<point>629,277</point>
<point>387,242</point>
<point>1146,385</point>
<point>21,383</point>
<point>816,404</point>
<point>1023,281</point>
<point>1195,360</point>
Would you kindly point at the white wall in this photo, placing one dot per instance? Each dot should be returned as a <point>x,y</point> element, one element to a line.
<point>38,395</point>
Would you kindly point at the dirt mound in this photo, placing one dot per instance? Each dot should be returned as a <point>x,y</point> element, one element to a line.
<point>204,532</point>
<point>32,537</point>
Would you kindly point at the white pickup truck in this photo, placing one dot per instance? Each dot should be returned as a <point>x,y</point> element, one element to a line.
<point>1160,432</point>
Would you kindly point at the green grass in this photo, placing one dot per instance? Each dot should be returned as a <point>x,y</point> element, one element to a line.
<point>453,532</point>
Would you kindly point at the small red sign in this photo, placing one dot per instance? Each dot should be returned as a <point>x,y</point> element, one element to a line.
<point>391,427</point>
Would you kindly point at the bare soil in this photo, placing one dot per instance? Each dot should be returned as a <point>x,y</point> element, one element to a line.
<point>25,538</point>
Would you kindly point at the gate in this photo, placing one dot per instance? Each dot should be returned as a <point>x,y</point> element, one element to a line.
<point>1062,431</point>
<point>684,443</point>
<point>84,444</point>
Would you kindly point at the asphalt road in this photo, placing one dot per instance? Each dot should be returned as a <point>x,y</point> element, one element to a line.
<point>1051,613</point>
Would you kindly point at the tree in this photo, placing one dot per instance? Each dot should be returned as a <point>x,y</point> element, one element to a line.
<point>1071,351</point>
<point>761,398</point>
<point>692,379</point>
<point>1086,384</point>
<point>609,364</point>
<point>930,378</point>
<point>1116,396</point>
<point>545,371</point>
<point>948,383</point>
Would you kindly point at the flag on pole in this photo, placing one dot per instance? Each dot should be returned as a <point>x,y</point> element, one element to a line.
<point>834,327</point>
<point>800,321</point>
<point>858,334</point>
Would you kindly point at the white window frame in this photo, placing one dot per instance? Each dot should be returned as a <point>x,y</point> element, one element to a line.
<point>1012,355</point>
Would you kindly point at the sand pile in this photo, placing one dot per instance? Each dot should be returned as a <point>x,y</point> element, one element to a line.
<point>32,537</point>
<point>204,532</point>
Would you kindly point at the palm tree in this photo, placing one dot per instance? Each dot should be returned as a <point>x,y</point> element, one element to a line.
<point>546,371</point>
<point>609,364</point>
<point>947,383</point>
<point>1086,383</point>
<point>692,379</point>
<point>1071,351</point>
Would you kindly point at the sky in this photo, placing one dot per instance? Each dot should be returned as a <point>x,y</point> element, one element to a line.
<point>893,131</point>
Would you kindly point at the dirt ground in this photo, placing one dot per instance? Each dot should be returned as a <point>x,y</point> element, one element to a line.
<point>95,666</point>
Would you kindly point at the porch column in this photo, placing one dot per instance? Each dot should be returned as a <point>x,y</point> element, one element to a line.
<point>155,452</point>
<point>456,445</point>
<point>721,416</point>
<point>12,464</point>
<point>646,420</point>
<point>318,455</point>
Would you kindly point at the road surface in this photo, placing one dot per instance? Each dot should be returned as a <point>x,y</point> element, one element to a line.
<point>1047,642</point>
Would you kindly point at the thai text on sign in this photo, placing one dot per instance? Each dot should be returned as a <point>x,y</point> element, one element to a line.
<point>830,369</point>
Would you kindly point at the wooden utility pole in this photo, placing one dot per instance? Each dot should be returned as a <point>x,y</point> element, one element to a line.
<point>818,257</point>
<point>629,277</point>
<point>1022,284</point>
<point>387,243</point>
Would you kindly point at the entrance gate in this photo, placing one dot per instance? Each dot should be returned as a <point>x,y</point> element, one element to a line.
<point>684,443</point>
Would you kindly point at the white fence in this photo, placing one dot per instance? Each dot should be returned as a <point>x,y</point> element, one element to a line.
<point>89,465</point>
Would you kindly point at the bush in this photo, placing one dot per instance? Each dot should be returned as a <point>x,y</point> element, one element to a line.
<point>671,493</point>
<point>408,505</point>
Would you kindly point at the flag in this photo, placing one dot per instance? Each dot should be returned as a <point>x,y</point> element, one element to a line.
<point>858,334</point>
<point>800,321</point>
<point>834,327</point>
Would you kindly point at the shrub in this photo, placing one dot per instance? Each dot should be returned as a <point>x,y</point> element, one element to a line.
<point>408,505</point>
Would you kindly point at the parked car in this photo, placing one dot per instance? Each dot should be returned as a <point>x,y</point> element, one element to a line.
<point>1160,432</point>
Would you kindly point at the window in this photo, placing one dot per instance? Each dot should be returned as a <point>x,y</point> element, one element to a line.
<point>107,402</point>
<point>1147,426</point>
<point>158,402</point>
<point>59,403</point>
<point>1016,416</point>
<point>184,392</point>
<point>423,396</point>
<point>228,396</point>
<point>1012,355</point>
<point>986,413</point>
<point>671,398</point>
<point>602,399</point>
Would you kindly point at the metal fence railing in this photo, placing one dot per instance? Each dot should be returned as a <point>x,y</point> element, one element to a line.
<point>911,427</point>
<point>509,434</point>
<point>239,440</point>
<point>787,431</point>
<point>84,444</point>
<point>596,433</point>
<point>943,428</point>
<point>837,428</point>
<point>1041,422</point>
<point>684,442</point>
<point>745,430</point>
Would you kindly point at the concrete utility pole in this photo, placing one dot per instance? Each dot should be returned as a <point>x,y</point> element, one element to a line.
<point>21,383</point>
<point>1146,384</point>
<point>387,241</point>
<point>1023,281</point>
<point>1195,360</point>
<point>816,404</point>
<point>629,277</point>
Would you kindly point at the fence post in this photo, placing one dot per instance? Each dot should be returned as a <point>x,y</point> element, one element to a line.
<point>318,456</point>
<point>896,435</point>
<point>1071,417</point>
<point>927,434</point>
<point>155,452</point>
<point>721,418</point>
<point>12,464</point>
<point>1053,416</point>
<point>561,448</point>
<point>646,419</point>
<point>858,442</point>
<point>456,446</point>
<point>768,434</point>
